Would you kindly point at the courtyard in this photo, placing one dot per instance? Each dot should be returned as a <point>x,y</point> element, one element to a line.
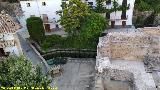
<point>78,74</point>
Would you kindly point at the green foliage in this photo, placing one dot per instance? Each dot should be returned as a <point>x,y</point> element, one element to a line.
<point>77,42</point>
<point>100,7</point>
<point>18,72</point>
<point>93,26</point>
<point>82,24</point>
<point>73,15</point>
<point>36,29</point>
<point>142,5</point>
<point>148,5</point>
<point>51,41</point>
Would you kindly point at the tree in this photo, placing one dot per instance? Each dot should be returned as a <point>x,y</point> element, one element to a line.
<point>148,5</point>
<point>102,9</point>
<point>36,29</point>
<point>73,15</point>
<point>93,26</point>
<point>100,6</point>
<point>19,72</point>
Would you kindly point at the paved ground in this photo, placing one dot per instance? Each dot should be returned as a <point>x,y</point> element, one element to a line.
<point>29,53</point>
<point>116,85</point>
<point>143,80</point>
<point>24,33</point>
<point>76,75</point>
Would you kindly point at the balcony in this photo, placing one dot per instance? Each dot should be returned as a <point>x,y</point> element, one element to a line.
<point>118,17</point>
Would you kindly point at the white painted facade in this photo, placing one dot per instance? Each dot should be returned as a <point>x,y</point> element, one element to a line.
<point>116,16</point>
<point>12,48</point>
<point>37,8</point>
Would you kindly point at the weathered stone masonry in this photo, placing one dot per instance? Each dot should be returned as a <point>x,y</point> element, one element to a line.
<point>135,49</point>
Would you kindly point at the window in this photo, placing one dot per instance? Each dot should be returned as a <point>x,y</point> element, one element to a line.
<point>108,15</point>
<point>90,3</point>
<point>108,2</point>
<point>43,3</point>
<point>123,16</point>
<point>123,24</point>
<point>32,15</point>
<point>28,4</point>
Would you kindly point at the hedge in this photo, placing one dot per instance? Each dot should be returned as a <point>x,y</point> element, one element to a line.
<point>36,29</point>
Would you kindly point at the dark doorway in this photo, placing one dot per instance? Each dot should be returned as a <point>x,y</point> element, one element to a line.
<point>108,15</point>
<point>108,2</point>
<point>47,27</point>
<point>123,24</point>
<point>2,53</point>
<point>112,24</point>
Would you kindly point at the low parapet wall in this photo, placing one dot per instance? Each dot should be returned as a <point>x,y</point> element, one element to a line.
<point>151,30</point>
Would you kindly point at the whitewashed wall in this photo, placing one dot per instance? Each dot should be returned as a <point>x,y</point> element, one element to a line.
<point>116,16</point>
<point>52,6</point>
<point>37,9</point>
<point>11,49</point>
<point>6,36</point>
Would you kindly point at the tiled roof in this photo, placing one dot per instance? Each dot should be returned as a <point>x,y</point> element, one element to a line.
<point>7,25</point>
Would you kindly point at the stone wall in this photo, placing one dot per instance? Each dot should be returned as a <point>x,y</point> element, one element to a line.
<point>127,46</point>
<point>13,9</point>
<point>142,47</point>
<point>152,63</point>
<point>120,75</point>
<point>153,31</point>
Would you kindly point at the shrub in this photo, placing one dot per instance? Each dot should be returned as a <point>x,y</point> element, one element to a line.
<point>51,41</point>
<point>93,26</point>
<point>36,29</point>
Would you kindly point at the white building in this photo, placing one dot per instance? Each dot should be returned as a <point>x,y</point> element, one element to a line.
<point>118,19</point>
<point>48,8</point>
<point>9,43</point>
<point>41,8</point>
<point>121,18</point>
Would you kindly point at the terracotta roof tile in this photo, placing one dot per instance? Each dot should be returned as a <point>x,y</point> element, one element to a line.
<point>7,25</point>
